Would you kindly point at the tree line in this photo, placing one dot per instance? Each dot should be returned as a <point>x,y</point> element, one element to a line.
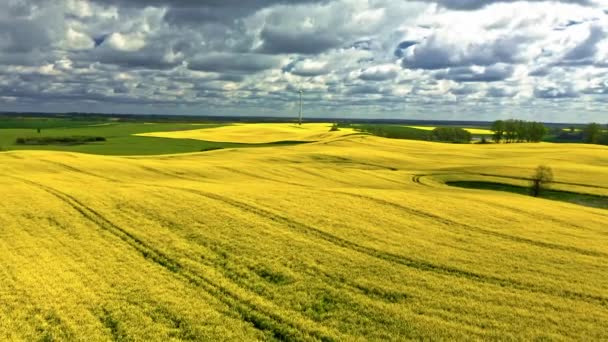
<point>592,133</point>
<point>451,134</point>
<point>517,131</point>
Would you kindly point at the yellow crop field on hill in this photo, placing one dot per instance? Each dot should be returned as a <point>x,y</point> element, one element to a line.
<point>480,131</point>
<point>351,238</point>
<point>259,133</point>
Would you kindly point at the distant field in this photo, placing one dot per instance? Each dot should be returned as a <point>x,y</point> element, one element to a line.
<point>352,238</point>
<point>262,133</point>
<point>478,131</point>
<point>123,138</point>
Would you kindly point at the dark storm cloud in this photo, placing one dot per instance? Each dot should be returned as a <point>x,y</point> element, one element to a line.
<point>555,92</point>
<point>500,92</point>
<point>585,51</point>
<point>149,58</point>
<point>493,73</point>
<point>23,35</point>
<point>375,74</point>
<point>277,41</point>
<point>246,56</point>
<point>228,62</point>
<point>438,53</point>
<point>182,12</point>
<point>364,89</point>
<point>399,51</point>
<point>467,5</point>
<point>465,90</point>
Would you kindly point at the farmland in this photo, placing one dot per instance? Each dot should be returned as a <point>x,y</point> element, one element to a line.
<point>476,131</point>
<point>347,237</point>
<point>122,138</point>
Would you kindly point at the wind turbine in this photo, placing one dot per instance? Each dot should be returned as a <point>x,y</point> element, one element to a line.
<point>300,116</point>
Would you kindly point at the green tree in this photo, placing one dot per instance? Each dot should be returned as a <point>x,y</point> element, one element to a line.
<point>498,127</point>
<point>510,130</point>
<point>521,130</point>
<point>540,180</point>
<point>592,133</point>
<point>604,137</point>
<point>536,131</point>
<point>451,134</point>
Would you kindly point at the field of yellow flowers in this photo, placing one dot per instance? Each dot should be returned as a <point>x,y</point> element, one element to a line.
<point>353,237</point>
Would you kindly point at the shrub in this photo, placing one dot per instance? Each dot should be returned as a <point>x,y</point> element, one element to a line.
<point>540,179</point>
<point>511,131</point>
<point>69,140</point>
<point>451,134</point>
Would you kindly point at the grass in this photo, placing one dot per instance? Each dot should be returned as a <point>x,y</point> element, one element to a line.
<point>122,138</point>
<point>350,238</point>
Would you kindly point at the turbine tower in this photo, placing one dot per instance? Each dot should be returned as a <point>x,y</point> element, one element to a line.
<point>300,116</point>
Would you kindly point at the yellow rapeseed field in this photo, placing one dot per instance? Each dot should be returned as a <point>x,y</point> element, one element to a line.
<point>257,133</point>
<point>470,130</point>
<point>348,238</point>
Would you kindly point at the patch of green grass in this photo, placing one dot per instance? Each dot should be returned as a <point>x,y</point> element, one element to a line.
<point>557,195</point>
<point>120,139</point>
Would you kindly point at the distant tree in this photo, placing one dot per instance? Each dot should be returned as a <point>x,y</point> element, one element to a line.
<point>592,133</point>
<point>540,180</point>
<point>604,137</point>
<point>334,127</point>
<point>38,130</point>
<point>521,130</point>
<point>572,129</point>
<point>510,130</point>
<point>536,131</point>
<point>452,134</point>
<point>498,127</point>
<point>518,131</point>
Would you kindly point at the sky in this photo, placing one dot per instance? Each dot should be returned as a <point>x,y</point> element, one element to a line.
<point>430,59</point>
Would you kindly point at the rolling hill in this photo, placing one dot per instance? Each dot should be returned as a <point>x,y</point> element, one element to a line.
<point>352,237</point>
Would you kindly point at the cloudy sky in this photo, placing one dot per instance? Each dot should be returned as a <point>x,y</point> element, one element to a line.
<point>442,59</point>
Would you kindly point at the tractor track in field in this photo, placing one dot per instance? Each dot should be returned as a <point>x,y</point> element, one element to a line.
<point>398,259</point>
<point>168,174</point>
<point>320,176</point>
<point>416,179</point>
<point>77,170</point>
<point>253,175</point>
<point>268,322</point>
<point>449,222</point>
<point>387,179</point>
